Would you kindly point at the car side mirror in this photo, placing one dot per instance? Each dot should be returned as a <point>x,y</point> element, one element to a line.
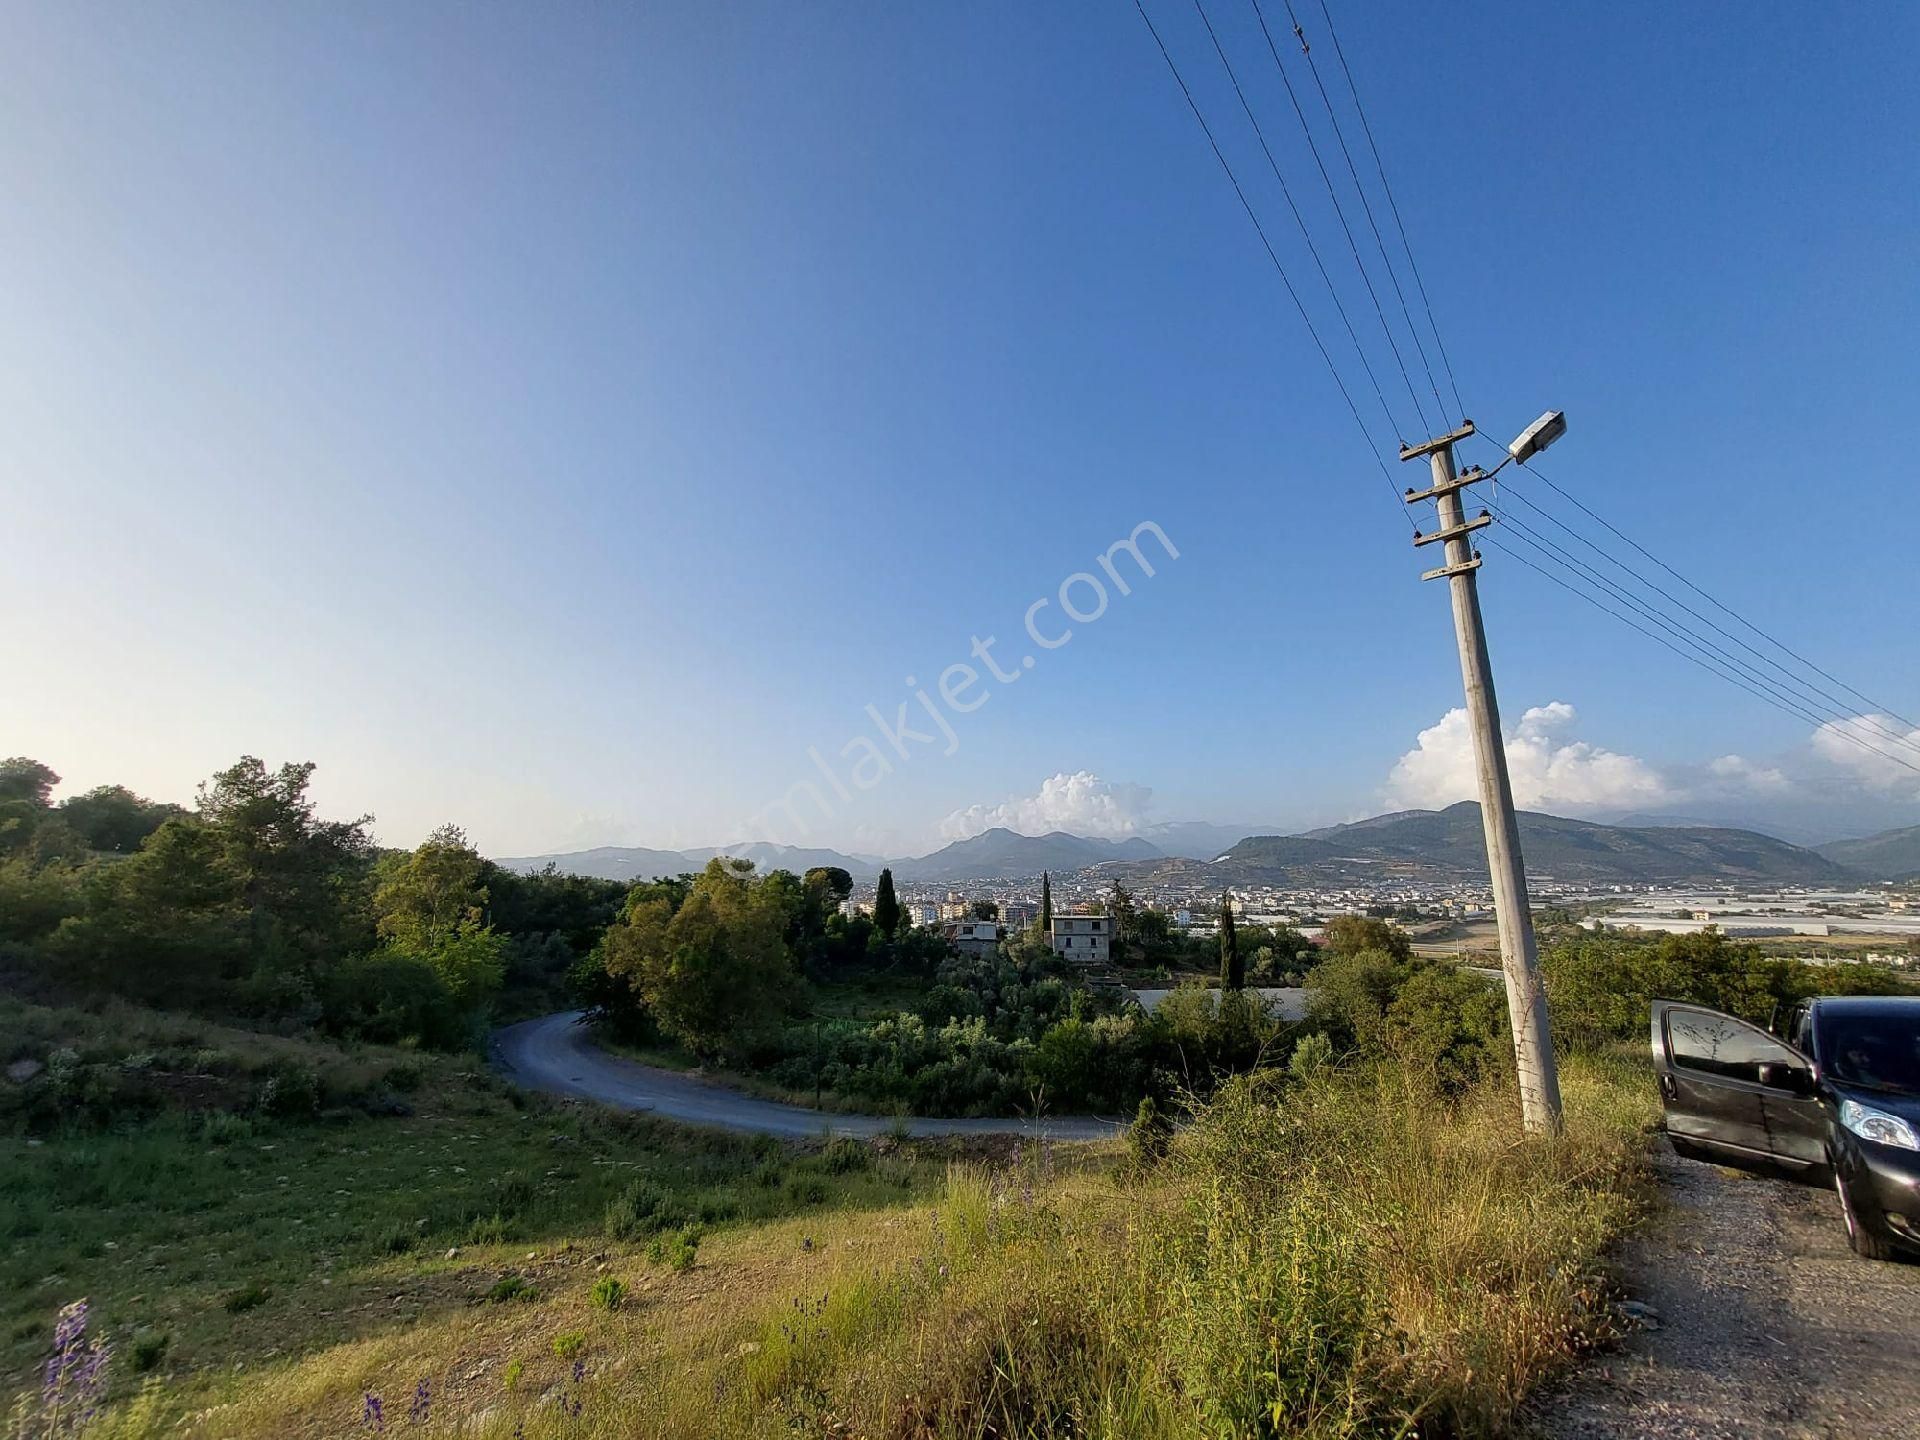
<point>1794,1079</point>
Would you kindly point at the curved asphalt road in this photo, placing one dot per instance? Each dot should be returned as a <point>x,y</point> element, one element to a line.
<point>556,1054</point>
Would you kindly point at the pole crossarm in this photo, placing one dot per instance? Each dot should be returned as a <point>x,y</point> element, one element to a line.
<point>1447,571</point>
<point>1439,442</point>
<point>1472,475</point>
<point>1454,532</point>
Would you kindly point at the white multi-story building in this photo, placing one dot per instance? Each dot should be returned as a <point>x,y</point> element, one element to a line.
<point>922,914</point>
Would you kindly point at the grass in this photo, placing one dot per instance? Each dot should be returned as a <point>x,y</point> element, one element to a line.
<point>228,1244</point>
<point>1345,1256</point>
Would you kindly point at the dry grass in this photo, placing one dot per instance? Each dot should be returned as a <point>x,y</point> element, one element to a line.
<point>1344,1258</point>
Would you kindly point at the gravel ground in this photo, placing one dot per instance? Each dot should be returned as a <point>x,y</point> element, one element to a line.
<point>1769,1327</point>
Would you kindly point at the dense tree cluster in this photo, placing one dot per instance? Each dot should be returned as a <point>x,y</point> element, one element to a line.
<point>251,906</point>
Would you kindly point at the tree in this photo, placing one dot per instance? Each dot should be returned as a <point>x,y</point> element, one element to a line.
<point>1233,971</point>
<point>1350,934</point>
<point>985,910</point>
<point>886,905</point>
<point>429,910</point>
<point>25,788</point>
<point>832,883</point>
<point>1120,907</point>
<point>27,780</point>
<point>301,878</point>
<point>433,894</point>
<point>715,971</point>
<point>164,924</point>
<point>1046,905</point>
<point>114,819</point>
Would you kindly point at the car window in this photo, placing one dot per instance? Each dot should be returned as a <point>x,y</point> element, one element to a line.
<point>1882,1051</point>
<point>1720,1045</point>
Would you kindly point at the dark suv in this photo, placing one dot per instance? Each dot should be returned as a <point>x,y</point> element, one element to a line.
<point>1837,1100</point>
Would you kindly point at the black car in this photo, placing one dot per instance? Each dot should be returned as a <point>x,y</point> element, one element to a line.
<point>1837,1101</point>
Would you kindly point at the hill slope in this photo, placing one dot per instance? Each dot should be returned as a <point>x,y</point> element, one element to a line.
<point>1890,855</point>
<point>1000,854</point>
<point>1448,844</point>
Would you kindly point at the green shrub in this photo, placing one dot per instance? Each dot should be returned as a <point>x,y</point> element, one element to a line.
<point>247,1297</point>
<point>569,1344</point>
<point>1311,1055</point>
<point>845,1156</point>
<point>290,1092</point>
<point>149,1349</point>
<point>607,1293</point>
<point>488,1230</point>
<point>637,1211</point>
<point>512,1287</point>
<point>676,1250</point>
<point>1149,1135</point>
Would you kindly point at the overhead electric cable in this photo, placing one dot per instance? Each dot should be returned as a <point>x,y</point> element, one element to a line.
<point>1366,205</point>
<point>1340,213</point>
<point>1809,692</point>
<point>1298,219</point>
<point>1266,244</point>
<point>1394,206</point>
<point>1753,684</point>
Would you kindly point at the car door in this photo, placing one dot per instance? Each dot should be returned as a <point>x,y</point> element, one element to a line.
<point>1732,1089</point>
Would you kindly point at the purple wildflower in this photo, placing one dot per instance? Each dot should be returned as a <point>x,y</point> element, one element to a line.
<point>372,1414</point>
<point>75,1376</point>
<point>421,1410</point>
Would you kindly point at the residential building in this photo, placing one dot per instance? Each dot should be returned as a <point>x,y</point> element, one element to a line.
<point>973,937</point>
<point>1019,914</point>
<point>1083,939</point>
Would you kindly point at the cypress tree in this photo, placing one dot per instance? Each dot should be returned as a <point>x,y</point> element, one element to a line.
<point>1233,974</point>
<point>886,905</point>
<point>1046,907</point>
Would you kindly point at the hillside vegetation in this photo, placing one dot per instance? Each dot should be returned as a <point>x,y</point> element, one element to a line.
<point>295,1201</point>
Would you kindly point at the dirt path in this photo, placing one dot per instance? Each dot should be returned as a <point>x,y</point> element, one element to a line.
<point>557,1054</point>
<point>1770,1328</point>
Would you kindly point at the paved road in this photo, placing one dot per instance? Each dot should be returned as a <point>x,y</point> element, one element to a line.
<point>1770,1328</point>
<point>557,1054</point>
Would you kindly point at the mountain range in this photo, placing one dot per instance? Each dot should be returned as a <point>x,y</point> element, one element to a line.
<point>1890,855</point>
<point>1413,844</point>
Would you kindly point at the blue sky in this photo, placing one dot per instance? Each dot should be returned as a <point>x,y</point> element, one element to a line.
<point>558,419</point>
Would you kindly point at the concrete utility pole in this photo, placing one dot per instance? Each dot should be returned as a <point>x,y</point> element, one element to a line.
<point>1519,960</point>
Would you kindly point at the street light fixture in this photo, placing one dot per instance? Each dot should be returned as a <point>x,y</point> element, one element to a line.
<point>1538,436</point>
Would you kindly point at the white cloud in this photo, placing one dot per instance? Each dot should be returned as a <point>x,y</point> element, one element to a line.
<point>1549,771</point>
<point>1081,803</point>
<point>1845,744</point>
<point>1740,774</point>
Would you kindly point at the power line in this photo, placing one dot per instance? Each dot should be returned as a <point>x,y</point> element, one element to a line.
<point>1760,688</point>
<point>1266,244</point>
<point>1600,605</point>
<point>1365,205</point>
<point>1810,693</point>
<point>1298,219</point>
<point>1394,206</point>
<point>1717,604</point>
<point>1341,214</point>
